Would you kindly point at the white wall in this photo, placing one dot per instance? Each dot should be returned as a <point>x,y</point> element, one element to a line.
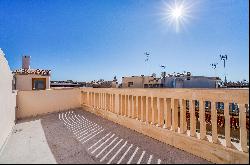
<point>7,100</point>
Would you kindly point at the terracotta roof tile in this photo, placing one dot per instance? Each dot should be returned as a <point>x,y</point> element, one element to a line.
<point>41,72</point>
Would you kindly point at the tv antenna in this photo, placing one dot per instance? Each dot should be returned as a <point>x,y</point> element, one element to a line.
<point>147,56</point>
<point>214,65</point>
<point>224,59</point>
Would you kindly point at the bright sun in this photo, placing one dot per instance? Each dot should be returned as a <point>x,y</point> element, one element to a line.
<point>176,13</point>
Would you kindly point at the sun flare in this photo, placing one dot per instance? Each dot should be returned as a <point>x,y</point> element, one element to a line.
<point>177,13</point>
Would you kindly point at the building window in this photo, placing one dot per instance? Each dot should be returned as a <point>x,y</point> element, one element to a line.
<point>130,84</point>
<point>14,83</point>
<point>38,83</point>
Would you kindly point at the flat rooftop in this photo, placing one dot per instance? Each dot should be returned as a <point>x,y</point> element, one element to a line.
<point>77,136</point>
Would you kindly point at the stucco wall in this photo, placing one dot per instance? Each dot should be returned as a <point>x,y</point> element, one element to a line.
<point>24,82</point>
<point>138,81</point>
<point>32,103</point>
<point>7,100</point>
<point>200,83</point>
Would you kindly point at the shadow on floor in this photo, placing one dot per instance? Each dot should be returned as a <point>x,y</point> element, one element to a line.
<point>67,149</point>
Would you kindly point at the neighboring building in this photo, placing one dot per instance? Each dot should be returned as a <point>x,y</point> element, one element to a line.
<point>238,84</point>
<point>102,83</point>
<point>141,82</point>
<point>114,84</point>
<point>171,81</point>
<point>190,82</point>
<point>31,79</point>
<point>65,84</point>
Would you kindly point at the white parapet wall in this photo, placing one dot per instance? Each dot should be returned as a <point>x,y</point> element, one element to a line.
<point>7,100</point>
<point>33,103</point>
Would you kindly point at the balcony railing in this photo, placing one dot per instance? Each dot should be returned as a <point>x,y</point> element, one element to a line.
<point>219,116</point>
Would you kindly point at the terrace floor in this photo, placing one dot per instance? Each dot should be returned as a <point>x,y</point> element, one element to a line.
<point>77,136</point>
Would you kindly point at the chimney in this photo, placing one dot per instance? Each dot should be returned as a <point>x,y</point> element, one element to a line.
<point>26,62</point>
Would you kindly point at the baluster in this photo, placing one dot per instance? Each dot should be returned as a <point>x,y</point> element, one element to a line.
<point>120,105</point>
<point>114,103</point>
<point>192,118</point>
<point>143,108</point>
<point>87,98</point>
<point>214,122</point>
<point>160,113</point>
<point>139,103</point>
<point>174,107</point>
<point>183,121</point>
<point>154,111</point>
<point>96,97</point>
<point>123,105</point>
<point>147,109</point>
<point>150,110</point>
<point>136,108</point>
<point>202,119</point>
<point>243,130</point>
<point>103,101</point>
<point>91,99</point>
<point>167,111</point>
<point>133,102</point>
<point>227,124</point>
<point>129,106</point>
<point>106,101</point>
<point>111,102</point>
<point>100,99</point>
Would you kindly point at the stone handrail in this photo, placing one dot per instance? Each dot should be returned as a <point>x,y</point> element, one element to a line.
<point>168,109</point>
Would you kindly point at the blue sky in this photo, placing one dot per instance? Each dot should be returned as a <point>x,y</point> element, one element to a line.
<point>84,40</point>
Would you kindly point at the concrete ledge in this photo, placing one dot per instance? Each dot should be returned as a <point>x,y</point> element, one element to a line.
<point>212,152</point>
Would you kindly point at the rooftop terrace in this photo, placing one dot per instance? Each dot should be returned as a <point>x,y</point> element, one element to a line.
<point>77,136</point>
<point>162,128</point>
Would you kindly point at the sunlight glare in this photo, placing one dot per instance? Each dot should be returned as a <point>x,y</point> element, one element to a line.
<point>177,13</point>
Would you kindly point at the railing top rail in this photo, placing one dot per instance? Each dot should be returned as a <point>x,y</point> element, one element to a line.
<point>240,96</point>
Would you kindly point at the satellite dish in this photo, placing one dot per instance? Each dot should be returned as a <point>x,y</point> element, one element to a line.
<point>163,74</point>
<point>163,66</point>
<point>154,74</point>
